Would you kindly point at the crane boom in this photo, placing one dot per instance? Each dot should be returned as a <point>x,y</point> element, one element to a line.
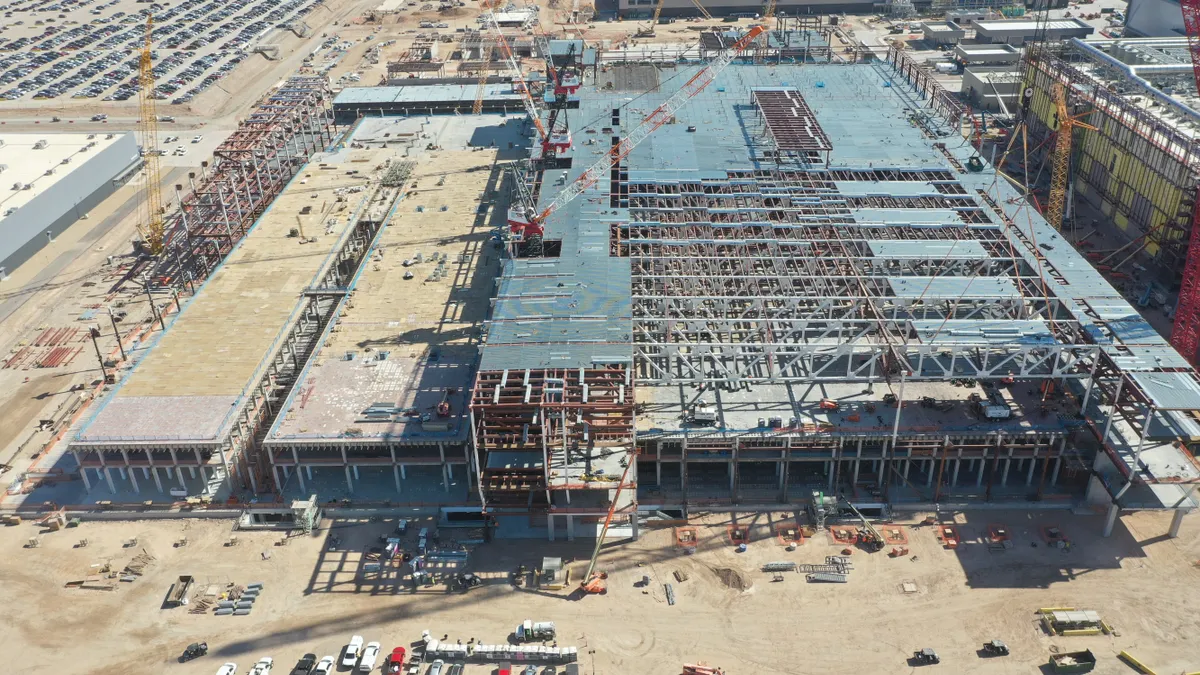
<point>587,577</point>
<point>703,12</point>
<point>769,13</point>
<point>1185,334</point>
<point>152,227</point>
<point>660,116</point>
<point>515,67</point>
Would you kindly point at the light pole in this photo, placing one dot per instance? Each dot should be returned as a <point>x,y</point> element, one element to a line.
<point>117,334</point>
<point>94,331</point>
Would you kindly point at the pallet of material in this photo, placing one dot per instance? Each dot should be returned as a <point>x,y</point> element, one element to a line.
<point>825,577</point>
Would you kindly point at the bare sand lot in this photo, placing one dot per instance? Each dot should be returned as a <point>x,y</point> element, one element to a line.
<point>727,612</point>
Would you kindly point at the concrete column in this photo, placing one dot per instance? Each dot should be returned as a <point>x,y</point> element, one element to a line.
<point>954,474</point>
<point>396,474</point>
<point>633,521</point>
<point>570,527</point>
<point>287,473</point>
<point>449,471</point>
<point>979,475</point>
<point>550,525</point>
<point>907,466</point>
<point>1111,519</point>
<point>192,471</point>
<point>121,470</point>
<point>87,484</point>
<point>929,474</point>
<point>278,481</point>
<point>300,476</point>
<point>732,476</point>
<point>112,489</point>
<point>308,470</point>
<point>182,480</point>
<point>1057,466</point>
<point>1004,474</point>
<point>658,472</point>
<point>779,473</point>
<point>1176,521</point>
<point>1029,474</point>
<point>355,468</point>
<point>132,476</point>
<point>349,481</point>
<point>829,470</point>
<point>445,477</point>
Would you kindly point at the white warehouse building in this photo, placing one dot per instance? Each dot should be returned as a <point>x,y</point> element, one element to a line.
<point>48,181</point>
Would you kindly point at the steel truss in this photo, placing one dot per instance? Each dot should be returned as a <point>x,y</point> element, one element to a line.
<point>248,171</point>
<point>766,277</point>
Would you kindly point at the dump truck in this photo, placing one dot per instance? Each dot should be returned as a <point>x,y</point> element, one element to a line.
<point>179,592</point>
<point>529,631</point>
<point>1073,662</point>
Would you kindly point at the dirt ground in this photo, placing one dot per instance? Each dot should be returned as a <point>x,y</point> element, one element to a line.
<point>1140,582</point>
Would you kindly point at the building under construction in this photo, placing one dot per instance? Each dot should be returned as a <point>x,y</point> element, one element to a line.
<point>1137,168</point>
<point>805,280</point>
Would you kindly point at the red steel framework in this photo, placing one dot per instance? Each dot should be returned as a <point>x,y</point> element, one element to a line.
<point>248,171</point>
<point>1185,335</point>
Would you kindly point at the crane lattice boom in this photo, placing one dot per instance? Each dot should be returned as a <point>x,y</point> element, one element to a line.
<point>1062,157</point>
<point>151,228</point>
<point>1185,334</point>
<point>515,67</point>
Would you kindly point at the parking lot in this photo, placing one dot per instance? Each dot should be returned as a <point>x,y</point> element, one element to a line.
<point>88,49</point>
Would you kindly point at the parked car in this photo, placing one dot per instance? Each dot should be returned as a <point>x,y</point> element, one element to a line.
<point>395,662</point>
<point>197,138</point>
<point>99,118</point>
<point>370,655</point>
<point>263,667</point>
<point>305,665</point>
<point>350,654</point>
<point>228,669</point>
<point>324,666</point>
<point>435,668</point>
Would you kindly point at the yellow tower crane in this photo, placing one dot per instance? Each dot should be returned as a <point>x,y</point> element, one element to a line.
<point>769,13</point>
<point>151,225</point>
<point>1062,156</point>
<point>484,69</point>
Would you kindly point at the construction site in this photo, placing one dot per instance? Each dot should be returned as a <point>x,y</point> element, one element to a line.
<point>698,322</point>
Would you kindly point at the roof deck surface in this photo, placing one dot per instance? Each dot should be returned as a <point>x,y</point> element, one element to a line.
<point>412,340</point>
<point>198,373</point>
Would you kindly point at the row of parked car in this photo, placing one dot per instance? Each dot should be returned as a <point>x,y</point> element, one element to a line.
<point>356,656</point>
<point>90,59</point>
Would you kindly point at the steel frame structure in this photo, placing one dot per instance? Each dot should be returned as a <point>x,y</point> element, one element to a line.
<point>1137,131</point>
<point>248,171</point>
<point>767,277</point>
<point>549,411</point>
